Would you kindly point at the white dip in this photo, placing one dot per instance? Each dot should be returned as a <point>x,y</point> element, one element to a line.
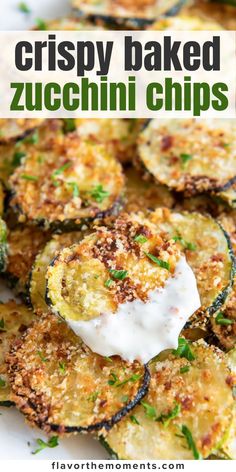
<point>140,330</point>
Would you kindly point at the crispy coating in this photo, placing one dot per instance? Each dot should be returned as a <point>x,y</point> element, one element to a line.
<point>14,321</point>
<point>82,284</point>
<point>198,392</point>
<point>60,385</point>
<point>72,181</point>
<point>191,156</point>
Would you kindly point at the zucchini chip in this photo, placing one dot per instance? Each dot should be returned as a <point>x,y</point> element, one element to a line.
<point>119,134</point>
<point>183,415</point>
<point>110,267</point>
<point>24,243</point>
<point>14,319</point>
<point>60,385</point>
<point>208,252</point>
<point>133,14</point>
<point>224,323</point>
<point>15,129</point>
<point>3,245</point>
<point>191,156</point>
<point>143,194</point>
<point>186,22</point>
<point>68,184</point>
<point>42,261</point>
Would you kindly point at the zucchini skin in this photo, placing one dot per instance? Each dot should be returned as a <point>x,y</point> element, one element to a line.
<point>126,22</point>
<point>107,425</point>
<point>3,245</point>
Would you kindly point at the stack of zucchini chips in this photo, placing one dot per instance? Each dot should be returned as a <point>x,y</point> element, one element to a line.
<point>94,213</point>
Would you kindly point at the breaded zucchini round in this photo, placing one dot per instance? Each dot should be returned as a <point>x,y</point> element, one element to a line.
<point>24,243</point>
<point>134,14</point>
<point>68,184</point>
<point>208,252</point>
<point>191,156</point>
<point>141,195</point>
<point>186,414</point>
<point>14,320</point>
<point>108,268</point>
<point>42,261</point>
<point>12,129</point>
<point>60,385</point>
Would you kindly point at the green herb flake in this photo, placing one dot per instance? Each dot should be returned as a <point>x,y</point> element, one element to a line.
<point>69,125</point>
<point>2,383</point>
<point>159,262</point>
<point>150,411</point>
<point>93,397</point>
<point>221,320</point>
<point>32,138</point>
<point>113,380</point>
<point>108,359</point>
<point>184,369</point>
<point>32,178</point>
<point>133,379</point>
<point>119,274</point>
<point>61,169</point>
<point>99,194</point>
<point>108,283</point>
<point>190,441</point>
<point>185,244</point>
<point>185,158</point>
<point>75,189</point>
<point>134,420</point>
<point>125,398</point>
<point>24,8</point>
<point>140,239</point>
<point>2,325</point>
<point>184,350</point>
<point>18,156</point>
<point>53,442</point>
<point>41,25</point>
<point>166,418</point>
<point>62,367</point>
<point>42,357</point>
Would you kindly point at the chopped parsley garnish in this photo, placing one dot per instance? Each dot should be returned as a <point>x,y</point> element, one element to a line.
<point>125,398</point>
<point>41,25</point>
<point>2,325</point>
<point>99,194</point>
<point>61,169</point>
<point>69,125</point>
<point>184,350</point>
<point>184,369</point>
<point>53,442</point>
<point>18,156</point>
<point>113,380</point>
<point>24,8</point>
<point>42,357</point>
<point>93,397</point>
<point>185,158</point>
<point>108,359</point>
<point>234,391</point>
<point>159,262</point>
<point>166,418</point>
<point>2,383</point>
<point>62,367</point>
<point>33,178</point>
<point>150,411</point>
<point>221,320</point>
<point>32,139</point>
<point>140,239</point>
<point>108,283</point>
<point>134,420</point>
<point>185,244</point>
<point>133,378</point>
<point>190,441</point>
<point>119,274</point>
<point>75,189</point>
